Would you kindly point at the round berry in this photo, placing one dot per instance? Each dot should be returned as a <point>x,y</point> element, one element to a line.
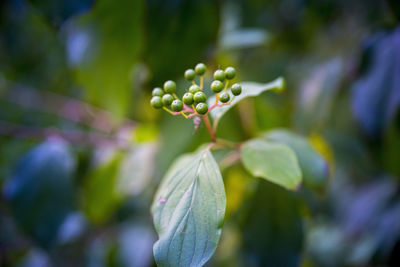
<point>167,99</point>
<point>224,97</point>
<point>199,97</point>
<point>157,92</point>
<point>190,74</point>
<point>194,89</point>
<point>230,73</point>
<point>200,69</point>
<point>219,75</point>
<point>201,108</point>
<point>169,87</point>
<point>236,89</point>
<point>156,102</point>
<point>217,86</point>
<point>177,105</point>
<point>188,98</point>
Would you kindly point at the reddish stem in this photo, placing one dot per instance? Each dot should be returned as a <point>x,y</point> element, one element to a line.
<point>209,128</point>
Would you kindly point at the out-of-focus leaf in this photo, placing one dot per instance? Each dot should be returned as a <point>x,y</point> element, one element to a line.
<point>243,38</point>
<point>317,94</point>
<point>326,245</point>
<point>101,251</point>
<point>129,244</point>
<point>176,135</point>
<point>237,181</point>
<point>109,39</point>
<point>248,89</point>
<point>359,209</point>
<point>72,228</point>
<point>313,166</point>
<point>136,169</point>
<point>136,245</point>
<point>376,95</point>
<point>100,197</point>
<point>273,162</point>
<point>188,211</point>
<point>232,36</point>
<point>35,258</point>
<point>145,133</point>
<point>388,230</point>
<point>272,228</point>
<point>41,192</point>
<point>31,52</point>
<point>58,11</point>
<point>179,35</point>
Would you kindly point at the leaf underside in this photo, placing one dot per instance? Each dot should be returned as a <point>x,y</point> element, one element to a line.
<point>188,211</point>
<point>249,89</point>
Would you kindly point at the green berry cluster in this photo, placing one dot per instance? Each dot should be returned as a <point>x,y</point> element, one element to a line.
<point>194,101</point>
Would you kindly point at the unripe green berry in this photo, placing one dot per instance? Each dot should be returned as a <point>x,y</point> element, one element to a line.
<point>157,92</point>
<point>188,98</point>
<point>219,75</point>
<point>224,97</point>
<point>156,102</point>
<point>202,108</point>
<point>194,89</point>
<point>177,105</point>
<point>236,89</point>
<point>200,69</point>
<point>230,73</point>
<point>169,87</point>
<point>199,97</point>
<point>217,86</point>
<point>167,99</point>
<point>190,74</point>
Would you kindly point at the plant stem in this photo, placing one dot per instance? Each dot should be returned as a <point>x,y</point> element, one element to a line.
<point>227,143</point>
<point>209,128</point>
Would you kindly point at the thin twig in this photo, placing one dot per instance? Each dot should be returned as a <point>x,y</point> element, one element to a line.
<point>75,137</point>
<point>66,107</point>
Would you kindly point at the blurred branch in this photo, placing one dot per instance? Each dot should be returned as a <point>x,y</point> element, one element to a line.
<point>230,159</point>
<point>79,138</point>
<point>69,108</point>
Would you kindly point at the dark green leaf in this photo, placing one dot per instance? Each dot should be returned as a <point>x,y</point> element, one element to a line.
<point>112,34</point>
<point>188,211</point>
<point>272,228</point>
<point>274,162</point>
<point>100,197</point>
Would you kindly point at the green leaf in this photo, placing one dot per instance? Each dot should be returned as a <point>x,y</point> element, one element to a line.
<point>114,34</point>
<point>188,211</point>
<point>313,166</point>
<point>274,162</point>
<point>100,195</point>
<point>248,89</point>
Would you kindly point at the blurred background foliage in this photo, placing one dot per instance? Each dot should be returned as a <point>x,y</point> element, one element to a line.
<point>82,152</point>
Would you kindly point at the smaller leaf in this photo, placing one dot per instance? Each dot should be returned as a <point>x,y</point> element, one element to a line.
<point>274,162</point>
<point>313,166</point>
<point>248,89</point>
